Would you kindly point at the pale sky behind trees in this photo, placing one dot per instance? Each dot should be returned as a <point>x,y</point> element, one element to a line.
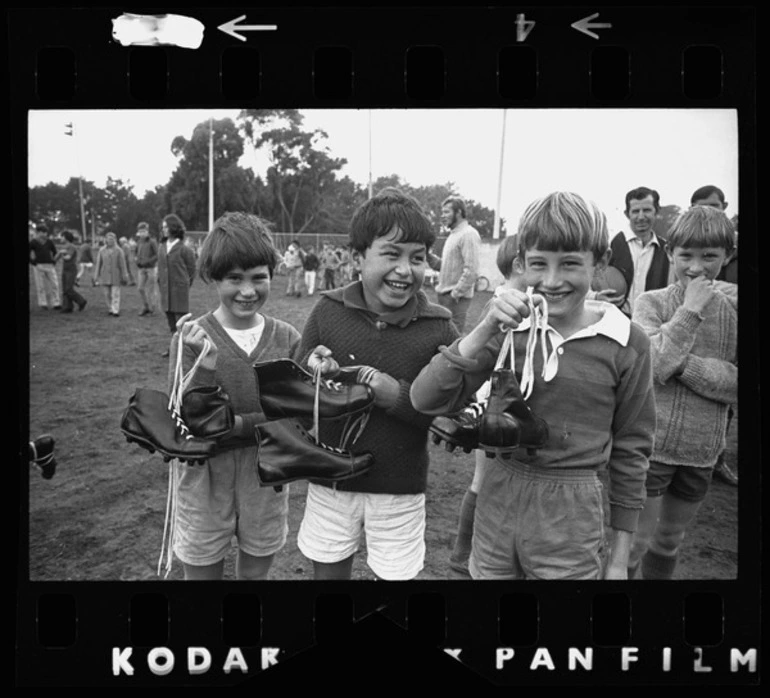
<point>598,153</point>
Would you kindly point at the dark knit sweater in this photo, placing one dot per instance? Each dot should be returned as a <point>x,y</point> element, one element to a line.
<point>399,344</point>
<point>234,370</point>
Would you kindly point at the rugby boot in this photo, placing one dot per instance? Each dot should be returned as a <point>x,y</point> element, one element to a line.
<point>287,453</point>
<point>288,390</point>
<point>508,423</point>
<point>460,430</point>
<point>41,454</point>
<point>207,412</point>
<point>148,422</point>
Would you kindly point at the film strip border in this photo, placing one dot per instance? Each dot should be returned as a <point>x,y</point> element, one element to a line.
<point>673,633</point>
<point>397,57</point>
<point>667,634</point>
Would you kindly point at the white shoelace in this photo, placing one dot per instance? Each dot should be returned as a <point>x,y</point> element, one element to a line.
<point>357,423</point>
<point>538,321</point>
<point>180,383</point>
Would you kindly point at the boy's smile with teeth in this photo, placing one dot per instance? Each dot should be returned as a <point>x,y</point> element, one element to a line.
<point>392,271</point>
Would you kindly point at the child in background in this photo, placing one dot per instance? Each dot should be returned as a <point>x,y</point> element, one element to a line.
<point>693,330</point>
<point>111,272</point>
<point>69,272</point>
<point>540,515</point>
<point>223,498</point>
<point>508,264</point>
<point>385,327</point>
<point>310,267</point>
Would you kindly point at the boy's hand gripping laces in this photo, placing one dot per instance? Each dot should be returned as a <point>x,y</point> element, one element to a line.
<point>538,321</point>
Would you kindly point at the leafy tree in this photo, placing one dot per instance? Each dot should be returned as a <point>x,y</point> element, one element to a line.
<point>301,179</point>
<point>186,193</point>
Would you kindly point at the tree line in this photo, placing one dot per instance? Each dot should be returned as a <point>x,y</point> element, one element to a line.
<point>303,190</point>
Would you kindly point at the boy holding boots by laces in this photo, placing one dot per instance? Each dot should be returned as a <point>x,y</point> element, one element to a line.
<point>384,328</point>
<point>540,515</point>
<point>693,330</point>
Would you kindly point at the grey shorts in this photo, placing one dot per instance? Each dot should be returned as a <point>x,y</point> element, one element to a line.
<point>538,523</point>
<point>223,499</point>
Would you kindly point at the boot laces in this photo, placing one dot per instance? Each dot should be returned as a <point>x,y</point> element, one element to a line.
<point>538,322</point>
<point>353,424</point>
<point>181,381</point>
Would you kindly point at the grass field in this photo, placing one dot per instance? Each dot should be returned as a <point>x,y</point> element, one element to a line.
<point>101,517</point>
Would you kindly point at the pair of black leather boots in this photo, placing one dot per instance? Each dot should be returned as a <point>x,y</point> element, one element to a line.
<point>287,452</point>
<point>503,425</point>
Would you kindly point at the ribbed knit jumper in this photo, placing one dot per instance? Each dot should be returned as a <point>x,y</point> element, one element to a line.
<point>694,363</point>
<point>599,403</point>
<point>234,370</point>
<point>398,344</point>
<point>460,261</point>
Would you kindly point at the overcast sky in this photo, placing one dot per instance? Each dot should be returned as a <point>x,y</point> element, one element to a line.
<point>600,154</point>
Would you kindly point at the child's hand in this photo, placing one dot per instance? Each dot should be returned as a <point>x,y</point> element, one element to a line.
<point>321,359</point>
<point>386,390</point>
<point>698,294</point>
<point>509,309</point>
<point>193,335</point>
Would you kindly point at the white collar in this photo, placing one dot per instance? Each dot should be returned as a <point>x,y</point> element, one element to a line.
<point>612,324</point>
<point>630,235</point>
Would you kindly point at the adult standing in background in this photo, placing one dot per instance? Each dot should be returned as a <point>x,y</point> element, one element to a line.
<point>146,268</point>
<point>638,253</point>
<point>42,257</point>
<point>176,271</point>
<point>459,261</point>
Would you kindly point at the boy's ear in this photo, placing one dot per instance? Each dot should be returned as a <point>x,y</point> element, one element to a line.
<point>517,266</point>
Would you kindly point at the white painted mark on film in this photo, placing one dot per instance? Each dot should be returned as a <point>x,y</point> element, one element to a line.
<point>157,30</point>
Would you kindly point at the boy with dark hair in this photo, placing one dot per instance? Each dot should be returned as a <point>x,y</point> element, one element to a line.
<point>385,330</point>
<point>693,330</point>
<point>540,514</point>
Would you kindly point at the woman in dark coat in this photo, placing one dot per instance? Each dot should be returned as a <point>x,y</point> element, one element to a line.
<point>176,271</point>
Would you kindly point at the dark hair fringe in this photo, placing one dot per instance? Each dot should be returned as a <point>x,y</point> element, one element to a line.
<point>390,208</point>
<point>237,240</point>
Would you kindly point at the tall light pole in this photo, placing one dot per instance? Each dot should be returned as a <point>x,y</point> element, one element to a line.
<point>370,154</point>
<point>496,230</point>
<point>69,130</point>
<point>211,174</point>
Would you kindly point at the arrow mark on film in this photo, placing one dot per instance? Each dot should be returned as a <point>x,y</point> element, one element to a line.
<point>583,25</point>
<point>232,27</point>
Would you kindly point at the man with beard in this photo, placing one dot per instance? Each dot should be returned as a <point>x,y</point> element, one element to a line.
<point>459,261</point>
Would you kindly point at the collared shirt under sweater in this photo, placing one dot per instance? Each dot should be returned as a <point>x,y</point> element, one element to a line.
<point>399,344</point>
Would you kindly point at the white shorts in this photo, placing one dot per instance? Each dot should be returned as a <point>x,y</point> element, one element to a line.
<point>394,525</point>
